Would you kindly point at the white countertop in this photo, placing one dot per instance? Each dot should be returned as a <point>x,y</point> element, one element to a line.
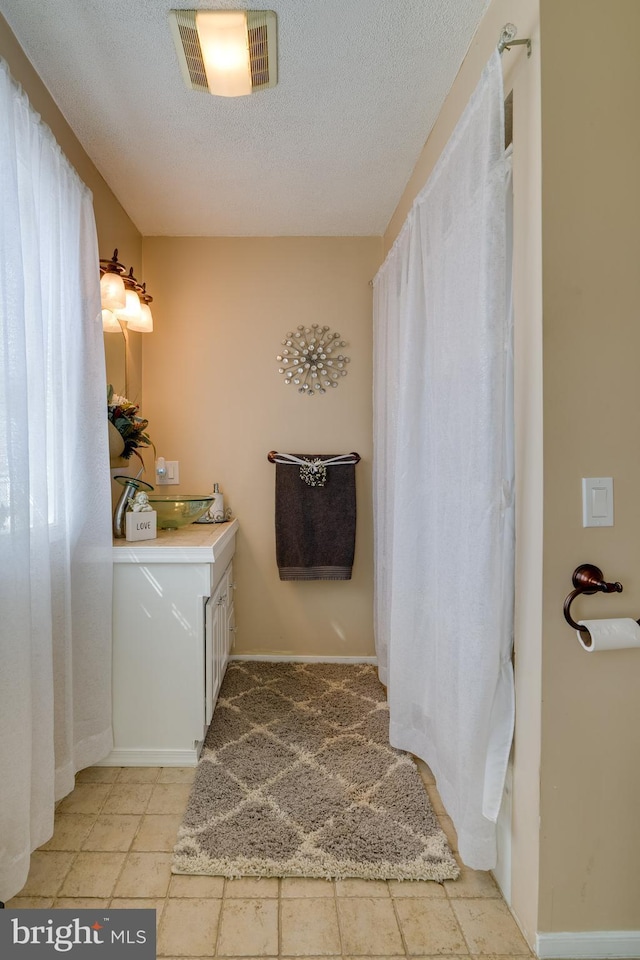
<point>196,543</point>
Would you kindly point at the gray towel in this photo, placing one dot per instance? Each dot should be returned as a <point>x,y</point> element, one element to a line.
<point>315,526</point>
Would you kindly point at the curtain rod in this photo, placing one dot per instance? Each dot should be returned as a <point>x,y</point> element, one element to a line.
<point>506,41</point>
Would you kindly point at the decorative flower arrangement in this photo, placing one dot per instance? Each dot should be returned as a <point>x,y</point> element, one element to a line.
<point>124,416</point>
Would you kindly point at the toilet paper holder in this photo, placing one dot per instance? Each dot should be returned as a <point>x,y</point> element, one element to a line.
<point>588,579</point>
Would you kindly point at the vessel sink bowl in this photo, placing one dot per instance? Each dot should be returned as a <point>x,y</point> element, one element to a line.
<point>179,510</point>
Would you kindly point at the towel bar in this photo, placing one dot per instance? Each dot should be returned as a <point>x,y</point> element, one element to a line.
<point>587,579</point>
<point>273,455</point>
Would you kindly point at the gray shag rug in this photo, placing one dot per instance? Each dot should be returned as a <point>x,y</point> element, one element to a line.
<point>297,779</point>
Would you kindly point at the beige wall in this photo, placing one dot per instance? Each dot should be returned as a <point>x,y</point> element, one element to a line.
<point>115,228</point>
<point>216,403</point>
<point>590,843</point>
<point>522,75</point>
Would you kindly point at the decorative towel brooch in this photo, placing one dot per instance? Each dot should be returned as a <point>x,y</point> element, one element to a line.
<point>314,473</point>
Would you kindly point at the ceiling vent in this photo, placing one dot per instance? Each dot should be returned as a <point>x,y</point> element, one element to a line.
<point>260,39</point>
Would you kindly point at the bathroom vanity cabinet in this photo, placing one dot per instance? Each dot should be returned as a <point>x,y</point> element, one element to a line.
<point>173,629</point>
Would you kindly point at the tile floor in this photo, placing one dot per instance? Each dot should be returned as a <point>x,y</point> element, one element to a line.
<point>112,847</point>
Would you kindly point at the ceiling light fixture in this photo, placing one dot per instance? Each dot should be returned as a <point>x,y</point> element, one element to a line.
<point>225,51</point>
<point>124,300</point>
<point>228,53</point>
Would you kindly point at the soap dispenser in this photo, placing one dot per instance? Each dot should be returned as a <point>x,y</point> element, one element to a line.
<point>216,510</point>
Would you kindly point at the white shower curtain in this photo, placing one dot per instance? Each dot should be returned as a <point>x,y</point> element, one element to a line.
<point>55,540</point>
<point>443,475</point>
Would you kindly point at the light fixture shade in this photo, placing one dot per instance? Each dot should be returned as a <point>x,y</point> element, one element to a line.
<point>132,308</point>
<point>224,43</point>
<point>110,322</point>
<point>112,292</point>
<point>143,323</point>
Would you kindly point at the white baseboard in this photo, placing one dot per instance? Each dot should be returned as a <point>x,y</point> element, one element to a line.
<point>150,758</point>
<point>286,658</point>
<point>592,945</point>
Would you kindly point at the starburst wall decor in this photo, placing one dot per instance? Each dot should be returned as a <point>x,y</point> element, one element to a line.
<point>310,359</point>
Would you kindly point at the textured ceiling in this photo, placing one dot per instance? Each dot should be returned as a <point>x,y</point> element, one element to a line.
<point>328,151</point>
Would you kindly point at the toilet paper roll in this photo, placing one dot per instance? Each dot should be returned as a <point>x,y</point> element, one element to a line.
<point>617,634</point>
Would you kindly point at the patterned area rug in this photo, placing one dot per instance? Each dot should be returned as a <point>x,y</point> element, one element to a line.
<point>297,778</point>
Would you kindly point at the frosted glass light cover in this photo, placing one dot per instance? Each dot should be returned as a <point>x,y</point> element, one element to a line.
<point>143,323</point>
<point>225,50</point>
<point>110,322</point>
<point>112,292</point>
<point>132,308</point>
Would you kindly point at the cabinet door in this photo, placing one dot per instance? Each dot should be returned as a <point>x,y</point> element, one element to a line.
<point>159,685</point>
<point>208,662</point>
<point>219,638</point>
<point>231,633</point>
<point>219,631</point>
<point>230,611</point>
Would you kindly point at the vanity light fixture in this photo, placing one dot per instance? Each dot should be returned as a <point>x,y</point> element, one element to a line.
<point>228,53</point>
<point>124,300</point>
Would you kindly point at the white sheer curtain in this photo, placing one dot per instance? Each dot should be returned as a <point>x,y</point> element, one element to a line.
<point>443,475</point>
<point>55,542</point>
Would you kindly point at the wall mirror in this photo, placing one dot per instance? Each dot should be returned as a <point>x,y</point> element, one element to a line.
<point>115,354</point>
<point>123,358</point>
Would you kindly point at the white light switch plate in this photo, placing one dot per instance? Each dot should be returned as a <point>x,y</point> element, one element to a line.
<point>597,501</point>
<point>172,475</point>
